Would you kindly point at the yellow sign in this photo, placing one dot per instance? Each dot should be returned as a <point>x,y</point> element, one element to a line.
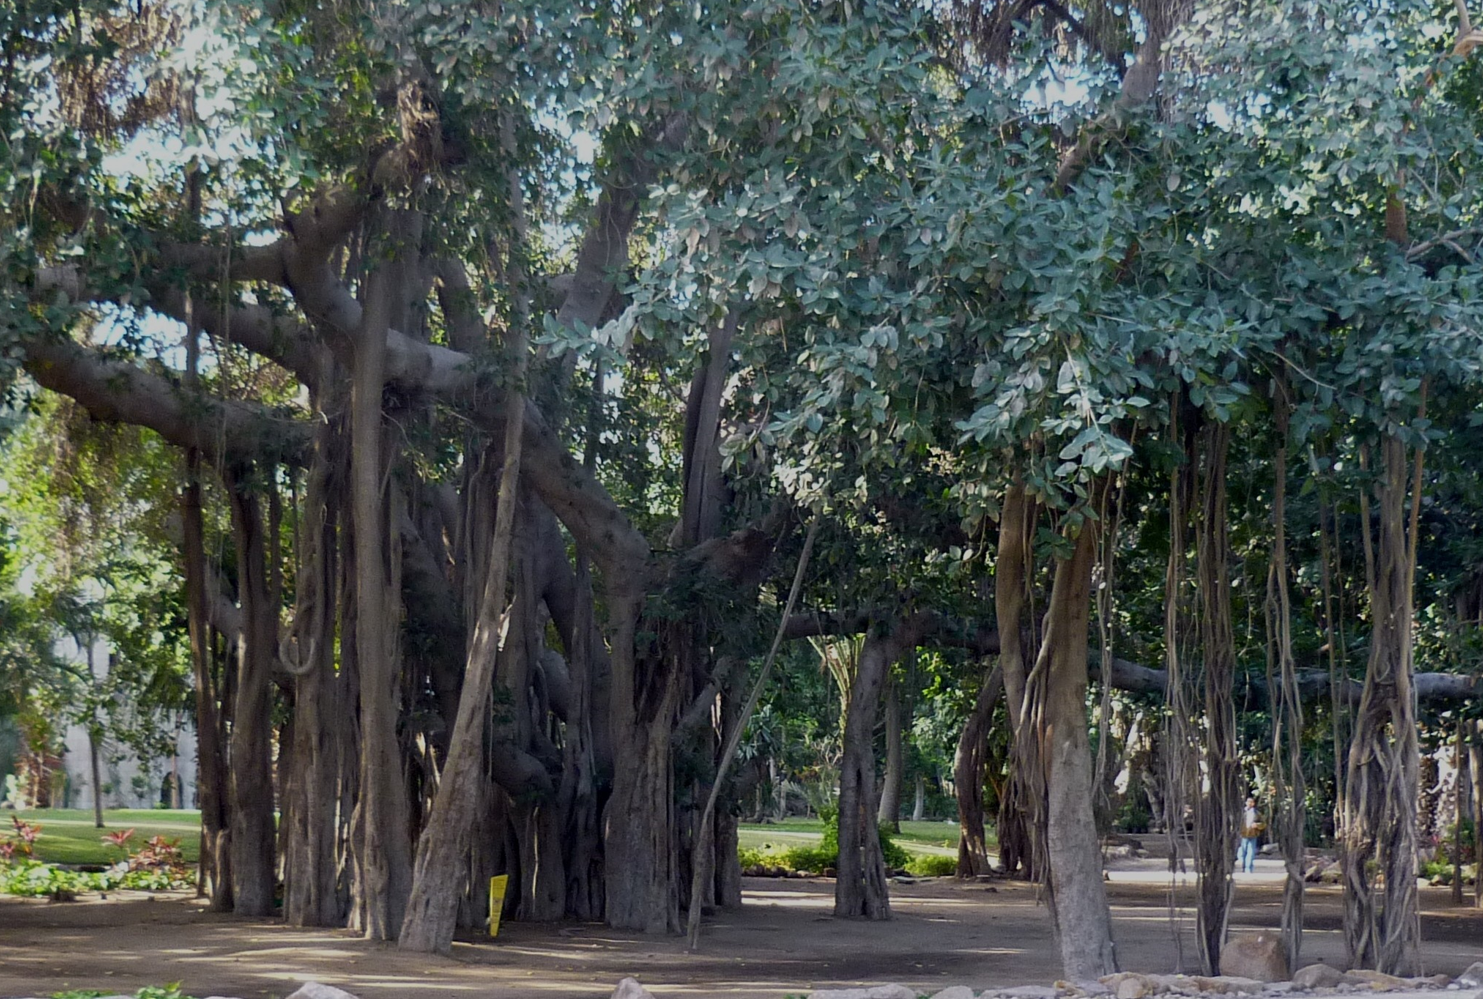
<point>497,887</point>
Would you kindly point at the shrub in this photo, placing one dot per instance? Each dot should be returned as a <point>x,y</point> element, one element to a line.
<point>925,865</point>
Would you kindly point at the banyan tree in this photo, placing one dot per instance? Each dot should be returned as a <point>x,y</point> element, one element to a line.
<point>507,348</point>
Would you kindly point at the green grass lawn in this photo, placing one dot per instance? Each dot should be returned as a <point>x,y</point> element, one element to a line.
<point>938,838</point>
<point>69,837</point>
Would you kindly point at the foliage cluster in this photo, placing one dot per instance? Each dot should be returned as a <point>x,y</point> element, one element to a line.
<point>158,865</point>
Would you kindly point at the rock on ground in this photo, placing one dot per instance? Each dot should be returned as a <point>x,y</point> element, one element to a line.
<point>1472,978</point>
<point>1257,956</point>
<point>629,988</point>
<point>954,992</point>
<point>314,990</point>
<point>1317,976</point>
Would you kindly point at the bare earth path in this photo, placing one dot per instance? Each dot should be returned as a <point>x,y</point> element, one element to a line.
<point>783,941</point>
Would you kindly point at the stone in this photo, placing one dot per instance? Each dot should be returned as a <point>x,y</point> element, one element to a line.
<point>1092,988</point>
<point>1472,978</point>
<point>1230,984</point>
<point>314,990</point>
<point>1116,981</point>
<point>1030,992</point>
<point>1277,988</point>
<point>628,988</point>
<point>954,992</point>
<point>1317,976</point>
<point>1257,956</point>
<point>1379,981</point>
<point>874,992</point>
<point>1429,982</point>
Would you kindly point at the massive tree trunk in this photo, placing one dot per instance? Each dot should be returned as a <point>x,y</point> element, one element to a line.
<point>1216,811</point>
<point>968,777</point>
<point>639,862</point>
<point>1011,590</point>
<point>890,809</point>
<point>860,888</point>
<point>384,869</point>
<point>1384,757</point>
<point>1055,715</point>
<point>252,836</point>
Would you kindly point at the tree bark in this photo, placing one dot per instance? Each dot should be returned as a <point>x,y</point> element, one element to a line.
<point>1384,756</point>
<point>211,777</point>
<point>1475,768</point>
<point>1216,811</point>
<point>432,911</point>
<point>639,863</point>
<point>253,833</point>
<point>1290,788</point>
<point>310,825</point>
<point>1055,710</point>
<point>860,887</point>
<point>384,866</point>
<point>1011,581</point>
<point>890,809</point>
<point>968,777</point>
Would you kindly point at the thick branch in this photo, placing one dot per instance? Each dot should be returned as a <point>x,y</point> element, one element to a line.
<point>120,392</point>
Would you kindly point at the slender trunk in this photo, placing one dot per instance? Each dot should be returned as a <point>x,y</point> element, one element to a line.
<point>1055,711</point>
<point>1216,811</point>
<point>1178,758</point>
<point>1475,770</point>
<point>1459,777</point>
<point>890,808</point>
<point>860,888</point>
<point>94,729</point>
<point>919,802</point>
<point>1384,757</point>
<point>253,833</point>
<point>1331,641</point>
<point>1290,788</point>
<point>968,777</point>
<point>94,762</point>
<point>211,790</point>
<point>728,754</point>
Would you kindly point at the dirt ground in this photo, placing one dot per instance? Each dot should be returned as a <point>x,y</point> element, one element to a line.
<point>782,941</point>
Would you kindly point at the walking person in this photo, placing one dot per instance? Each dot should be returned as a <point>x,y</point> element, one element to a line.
<point>1251,828</point>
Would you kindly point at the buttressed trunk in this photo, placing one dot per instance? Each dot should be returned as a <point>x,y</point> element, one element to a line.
<point>1384,757</point>
<point>1057,710</point>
